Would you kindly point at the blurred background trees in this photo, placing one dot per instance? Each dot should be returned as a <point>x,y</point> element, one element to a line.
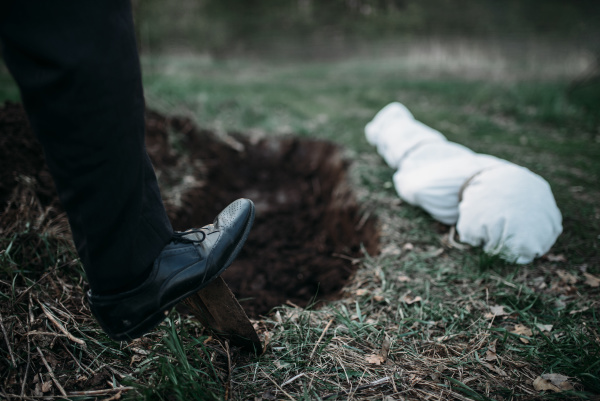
<point>532,30</point>
<point>310,27</point>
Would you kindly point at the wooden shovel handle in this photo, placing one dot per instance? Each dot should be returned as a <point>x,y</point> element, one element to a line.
<point>217,309</point>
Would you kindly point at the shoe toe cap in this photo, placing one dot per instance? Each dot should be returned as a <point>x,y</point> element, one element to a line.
<point>237,213</point>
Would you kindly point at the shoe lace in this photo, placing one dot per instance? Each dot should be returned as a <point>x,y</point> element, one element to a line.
<point>179,236</point>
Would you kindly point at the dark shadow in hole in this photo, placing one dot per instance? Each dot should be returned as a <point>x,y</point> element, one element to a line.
<point>308,225</point>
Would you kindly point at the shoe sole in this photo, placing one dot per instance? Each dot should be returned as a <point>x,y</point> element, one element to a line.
<point>153,320</point>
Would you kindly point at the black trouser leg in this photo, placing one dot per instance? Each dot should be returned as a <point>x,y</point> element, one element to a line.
<point>77,67</point>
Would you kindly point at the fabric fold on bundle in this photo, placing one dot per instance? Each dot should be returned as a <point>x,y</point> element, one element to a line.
<point>505,208</point>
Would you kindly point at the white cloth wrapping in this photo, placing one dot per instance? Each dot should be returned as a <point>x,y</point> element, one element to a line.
<point>431,177</point>
<point>395,133</point>
<point>511,212</point>
<point>506,208</point>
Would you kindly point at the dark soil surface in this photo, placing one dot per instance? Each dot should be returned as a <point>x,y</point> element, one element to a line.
<point>21,156</point>
<point>308,226</point>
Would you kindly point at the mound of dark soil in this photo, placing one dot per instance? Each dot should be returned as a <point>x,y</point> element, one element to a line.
<point>308,227</point>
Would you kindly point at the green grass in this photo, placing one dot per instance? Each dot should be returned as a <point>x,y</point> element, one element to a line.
<point>438,346</point>
<point>528,121</point>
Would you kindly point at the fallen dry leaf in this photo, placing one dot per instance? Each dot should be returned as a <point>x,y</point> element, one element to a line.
<point>579,310</point>
<point>591,280</point>
<point>496,310</point>
<point>435,376</point>
<point>490,354</point>
<point>411,300</point>
<point>560,381</point>
<point>135,359</point>
<point>539,282</point>
<point>553,382</point>
<point>46,386</point>
<point>140,351</point>
<point>375,359</point>
<point>523,330</point>
<point>566,277</point>
<point>556,258</point>
<point>361,292</point>
<point>544,327</point>
<point>378,298</point>
<point>544,385</point>
<point>563,288</point>
<point>403,279</point>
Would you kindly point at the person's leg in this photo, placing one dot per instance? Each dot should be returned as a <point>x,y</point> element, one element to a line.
<point>77,67</point>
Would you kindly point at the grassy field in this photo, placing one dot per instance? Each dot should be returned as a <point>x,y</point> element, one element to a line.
<point>421,320</point>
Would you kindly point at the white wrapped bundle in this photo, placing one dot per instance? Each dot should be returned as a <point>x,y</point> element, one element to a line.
<point>511,212</point>
<point>506,208</point>
<point>432,175</point>
<point>395,133</point>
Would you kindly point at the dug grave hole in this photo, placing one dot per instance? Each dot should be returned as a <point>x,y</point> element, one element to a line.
<point>308,228</point>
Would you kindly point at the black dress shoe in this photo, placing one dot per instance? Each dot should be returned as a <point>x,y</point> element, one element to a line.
<point>187,264</point>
